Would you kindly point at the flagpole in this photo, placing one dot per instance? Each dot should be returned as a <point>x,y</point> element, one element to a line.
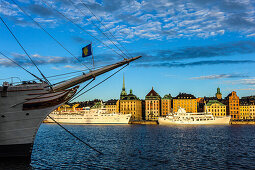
<point>92,56</point>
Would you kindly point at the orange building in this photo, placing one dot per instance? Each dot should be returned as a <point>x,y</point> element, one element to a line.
<point>166,105</point>
<point>152,105</point>
<point>186,101</point>
<point>233,108</point>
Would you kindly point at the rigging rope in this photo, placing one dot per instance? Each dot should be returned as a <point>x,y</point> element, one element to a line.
<point>39,25</point>
<point>99,83</point>
<point>104,27</point>
<point>25,52</point>
<point>75,136</point>
<point>21,67</point>
<point>82,28</point>
<point>83,88</point>
<point>98,28</point>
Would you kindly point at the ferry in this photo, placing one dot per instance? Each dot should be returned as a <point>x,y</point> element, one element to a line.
<point>181,117</point>
<point>88,116</point>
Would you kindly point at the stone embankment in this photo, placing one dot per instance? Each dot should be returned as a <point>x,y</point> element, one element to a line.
<point>143,122</point>
<point>242,122</point>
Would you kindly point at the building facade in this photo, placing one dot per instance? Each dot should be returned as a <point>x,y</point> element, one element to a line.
<point>112,106</point>
<point>152,105</point>
<point>130,104</point>
<point>166,105</point>
<point>186,101</point>
<point>216,108</point>
<point>252,110</point>
<point>233,108</point>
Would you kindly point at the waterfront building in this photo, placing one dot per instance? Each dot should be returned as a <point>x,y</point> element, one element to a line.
<point>166,105</point>
<point>252,110</point>
<point>233,108</point>
<point>200,104</point>
<point>130,104</point>
<point>112,106</point>
<point>244,110</point>
<point>218,95</point>
<point>186,101</point>
<point>152,105</point>
<point>68,107</point>
<point>216,108</point>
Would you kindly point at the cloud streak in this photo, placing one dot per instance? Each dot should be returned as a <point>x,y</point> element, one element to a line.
<point>193,52</point>
<point>220,76</point>
<point>197,63</point>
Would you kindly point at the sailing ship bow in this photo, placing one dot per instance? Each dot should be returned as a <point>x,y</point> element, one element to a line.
<point>80,79</point>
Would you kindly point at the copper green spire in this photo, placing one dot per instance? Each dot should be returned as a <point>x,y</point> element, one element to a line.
<point>218,90</point>
<point>123,92</point>
<point>123,87</point>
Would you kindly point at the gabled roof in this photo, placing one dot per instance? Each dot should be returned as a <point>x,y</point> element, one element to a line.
<point>152,95</point>
<point>167,96</point>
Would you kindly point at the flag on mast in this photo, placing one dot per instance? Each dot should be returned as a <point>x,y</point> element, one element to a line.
<point>86,51</point>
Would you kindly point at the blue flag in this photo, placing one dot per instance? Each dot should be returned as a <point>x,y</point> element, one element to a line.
<point>86,51</point>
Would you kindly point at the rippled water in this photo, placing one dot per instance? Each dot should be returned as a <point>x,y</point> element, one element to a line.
<point>145,147</point>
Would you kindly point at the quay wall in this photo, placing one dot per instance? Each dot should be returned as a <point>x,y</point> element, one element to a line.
<point>240,122</point>
<point>143,122</point>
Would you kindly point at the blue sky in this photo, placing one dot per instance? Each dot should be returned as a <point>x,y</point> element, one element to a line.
<point>191,46</point>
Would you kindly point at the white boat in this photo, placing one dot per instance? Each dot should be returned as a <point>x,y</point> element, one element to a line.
<point>183,118</point>
<point>88,116</point>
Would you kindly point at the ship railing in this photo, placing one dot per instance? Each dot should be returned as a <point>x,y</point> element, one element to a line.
<point>11,79</point>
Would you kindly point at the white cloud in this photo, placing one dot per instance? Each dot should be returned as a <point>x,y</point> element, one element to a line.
<point>132,19</point>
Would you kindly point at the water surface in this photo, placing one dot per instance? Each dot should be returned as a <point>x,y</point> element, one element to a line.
<point>145,147</point>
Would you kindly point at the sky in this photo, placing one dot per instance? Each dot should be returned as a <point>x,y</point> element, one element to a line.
<point>190,46</point>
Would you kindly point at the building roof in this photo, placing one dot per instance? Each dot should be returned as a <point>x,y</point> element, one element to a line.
<point>130,96</point>
<point>111,102</point>
<point>213,102</point>
<point>244,102</point>
<point>167,96</point>
<point>185,96</point>
<point>231,94</point>
<point>152,95</point>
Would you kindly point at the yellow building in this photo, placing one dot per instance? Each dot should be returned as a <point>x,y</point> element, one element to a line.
<point>166,105</point>
<point>216,108</point>
<point>186,101</point>
<point>112,106</point>
<point>244,111</point>
<point>252,110</point>
<point>152,105</point>
<point>130,104</point>
<point>66,107</point>
<point>233,108</point>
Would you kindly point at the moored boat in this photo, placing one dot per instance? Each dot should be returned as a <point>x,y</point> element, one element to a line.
<point>183,118</point>
<point>88,116</point>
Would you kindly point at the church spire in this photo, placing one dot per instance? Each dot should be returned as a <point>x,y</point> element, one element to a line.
<point>123,87</point>
<point>123,92</point>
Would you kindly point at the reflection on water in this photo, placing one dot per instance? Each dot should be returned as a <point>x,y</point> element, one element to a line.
<point>145,147</point>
